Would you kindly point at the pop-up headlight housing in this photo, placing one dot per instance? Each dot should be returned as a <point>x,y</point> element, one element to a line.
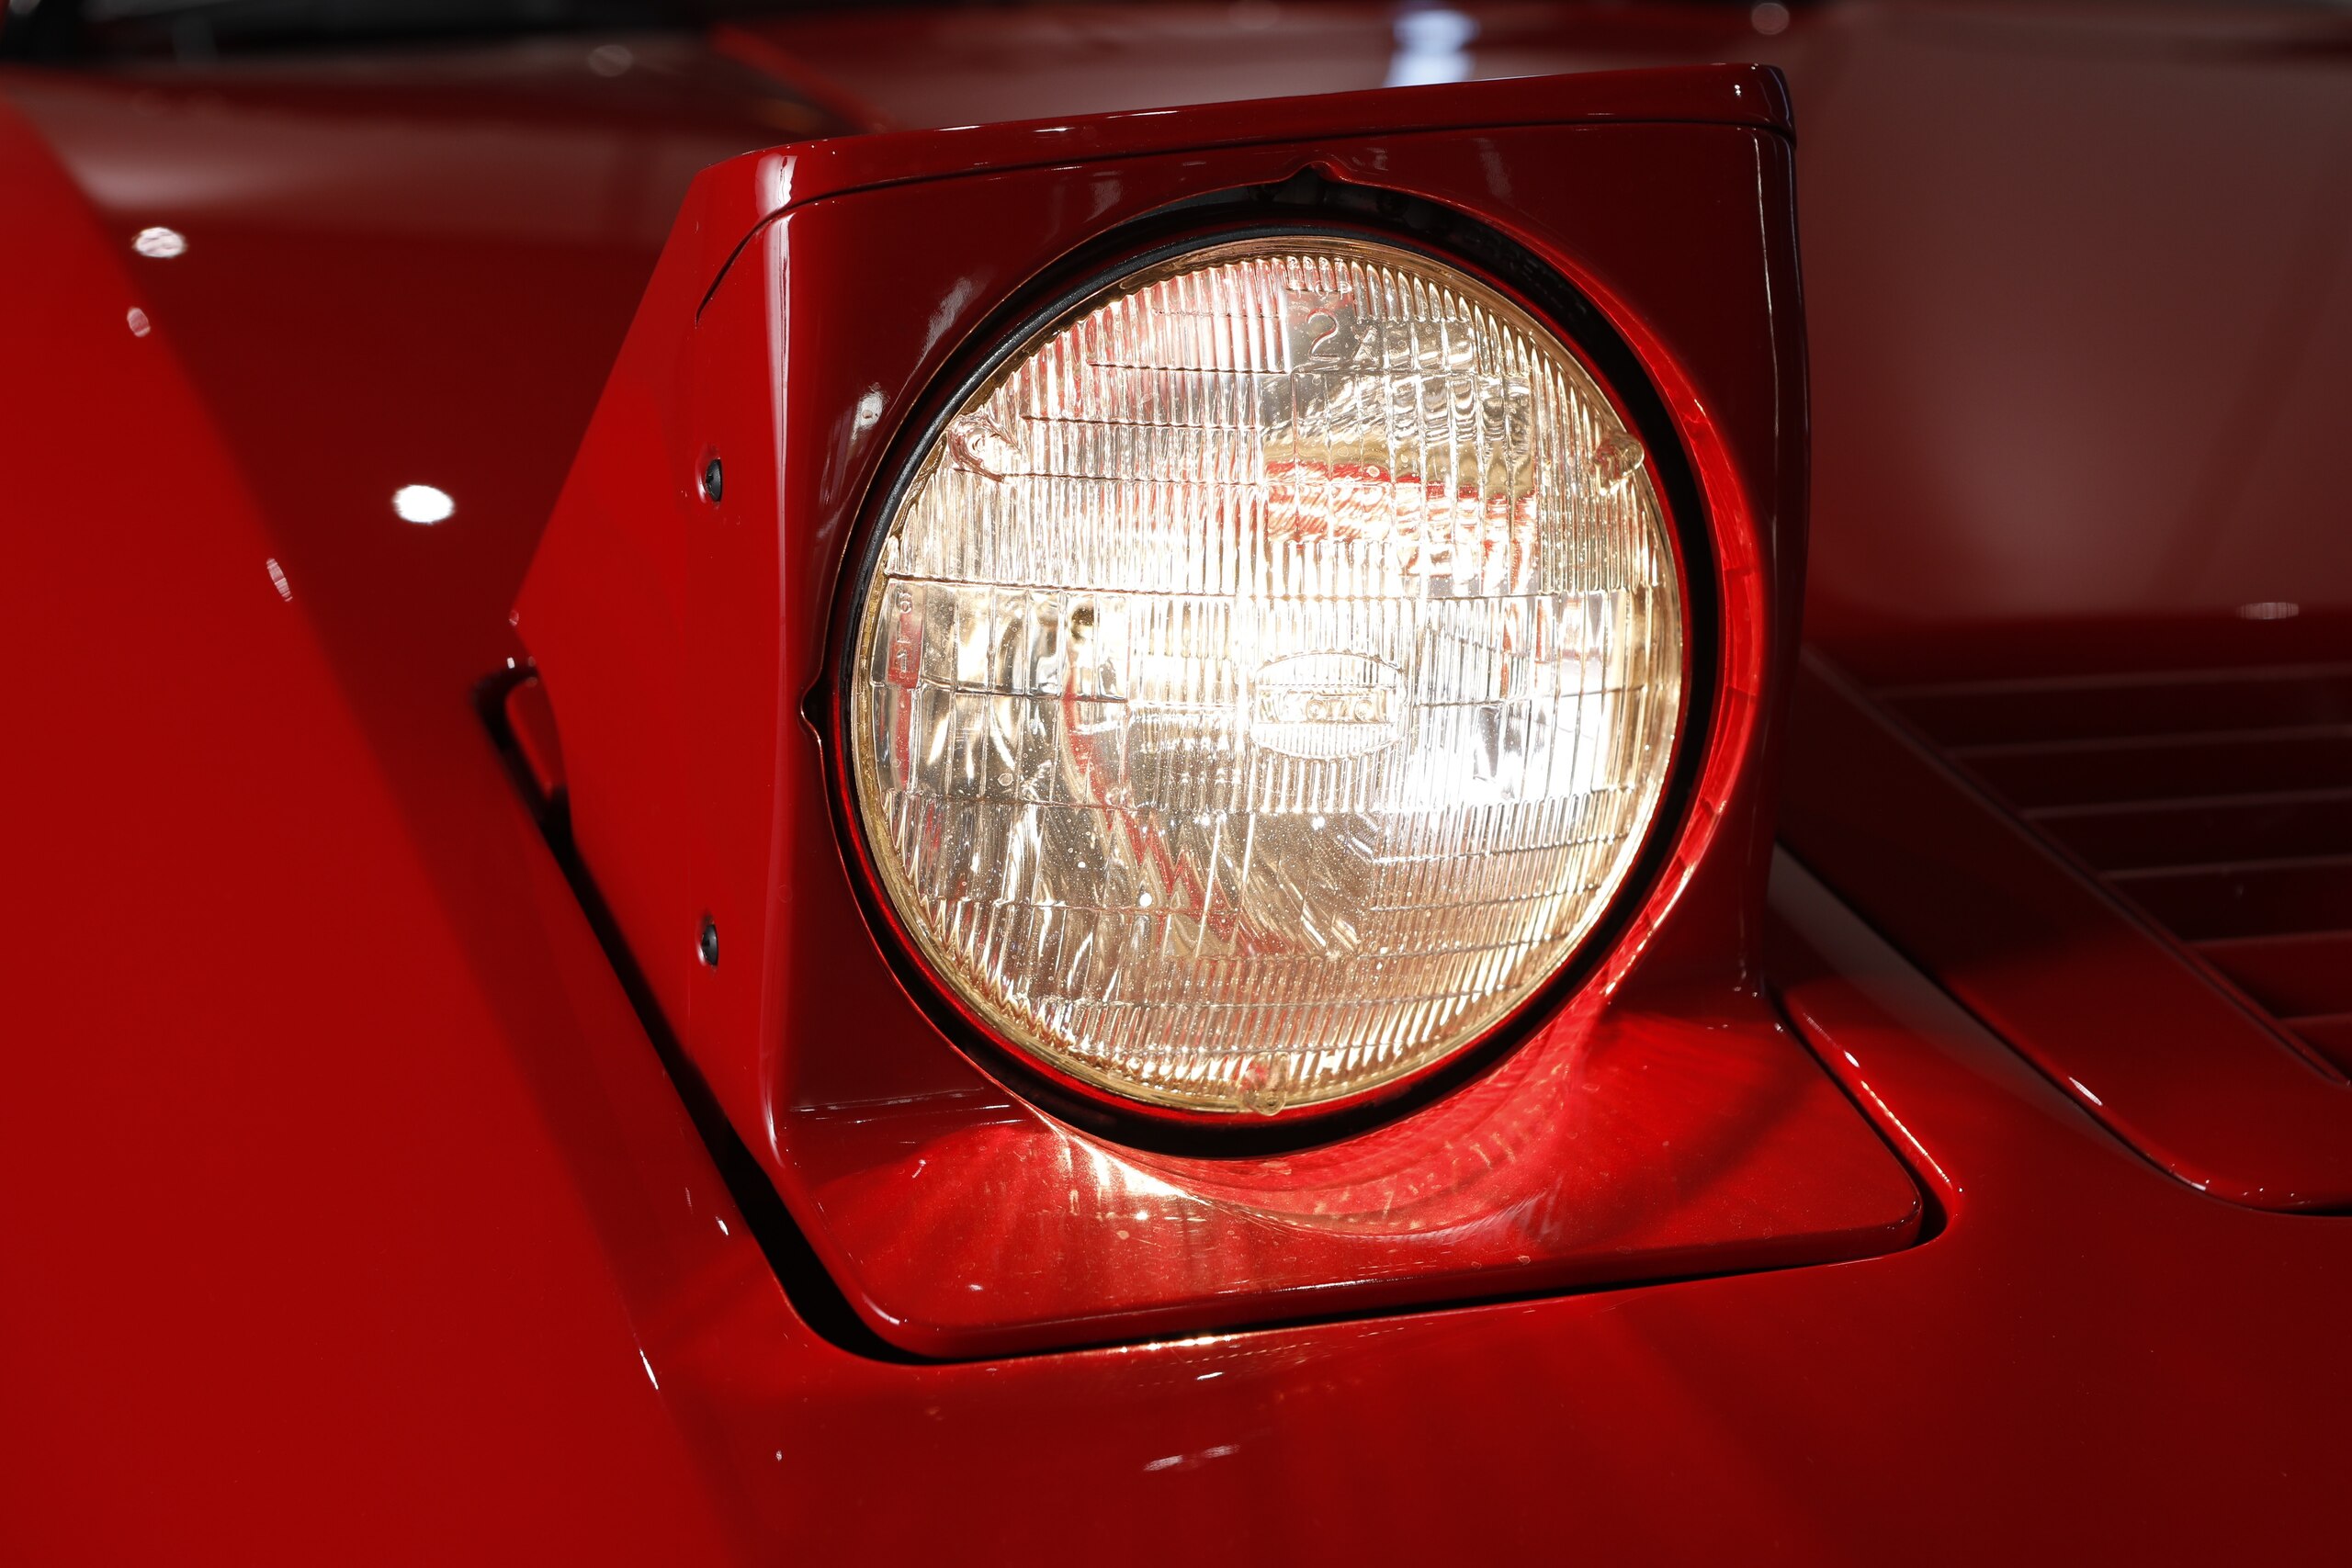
<point>1175,711</point>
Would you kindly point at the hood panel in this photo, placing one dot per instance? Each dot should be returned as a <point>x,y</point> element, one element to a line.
<point>359,1222</point>
<point>2077,276</point>
<point>2077,279</point>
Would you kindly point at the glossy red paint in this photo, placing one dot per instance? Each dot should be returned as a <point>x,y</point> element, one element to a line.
<point>942,66</point>
<point>1696,1139</point>
<point>525,719</point>
<point>2075,274</point>
<point>510,201</point>
<point>2091,992</point>
<point>315,1158</point>
<point>339,1235</point>
<point>2067,420</point>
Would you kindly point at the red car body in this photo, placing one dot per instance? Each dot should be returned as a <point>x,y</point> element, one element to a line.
<point>375,1191</point>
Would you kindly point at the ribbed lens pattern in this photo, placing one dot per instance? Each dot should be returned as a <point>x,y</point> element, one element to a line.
<point>1268,677</point>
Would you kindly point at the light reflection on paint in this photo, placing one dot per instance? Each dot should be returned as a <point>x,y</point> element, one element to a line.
<point>422,503</point>
<point>1431,46</point>
<point>1916,1146</point>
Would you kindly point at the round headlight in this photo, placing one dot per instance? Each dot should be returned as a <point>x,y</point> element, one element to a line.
<point>1267,676</point>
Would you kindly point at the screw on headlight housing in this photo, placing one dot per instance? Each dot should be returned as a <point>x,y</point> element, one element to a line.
<point>707,944</point>
<point>714,481</point>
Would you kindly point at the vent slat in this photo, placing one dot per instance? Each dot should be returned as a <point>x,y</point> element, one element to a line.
<point>2329,1036</point>
<point>2172,703</point>
<point>2310,972</point>
<point>2260,899</point>
<point>2079,773</point>
<point>2219,801</point>
<point>2137,834</point>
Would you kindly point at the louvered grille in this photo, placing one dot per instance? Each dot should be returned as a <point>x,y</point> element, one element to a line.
<point>2217,801</point>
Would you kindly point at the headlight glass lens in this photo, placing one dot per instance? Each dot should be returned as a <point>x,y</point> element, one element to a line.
<point>1267,677</point>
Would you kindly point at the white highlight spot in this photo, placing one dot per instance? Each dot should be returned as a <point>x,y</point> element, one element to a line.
<point>422,503</point>
<point>1431,46</point>
<point>277,577</point>
<point>868,415</point>
<point>1190,1462</point>
<point>160,243</point>
<point>2271,610</point>
<point>611,59</point>
<point>140,325</point>
<point>649,1373</point>
<point>1770,18</point>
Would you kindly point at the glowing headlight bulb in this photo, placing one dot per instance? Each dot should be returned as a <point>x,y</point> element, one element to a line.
<point>1268,676</point>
